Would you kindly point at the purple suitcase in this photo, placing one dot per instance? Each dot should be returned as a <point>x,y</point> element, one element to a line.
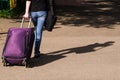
<point>18,46</point>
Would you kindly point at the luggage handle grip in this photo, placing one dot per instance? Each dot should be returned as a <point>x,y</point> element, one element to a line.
<point>29,24</point>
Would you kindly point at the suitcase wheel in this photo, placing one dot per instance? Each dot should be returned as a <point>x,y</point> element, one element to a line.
<point>25,62</point>
<point>4,61</point>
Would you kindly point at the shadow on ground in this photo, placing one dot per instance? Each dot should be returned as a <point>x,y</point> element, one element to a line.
<point>3,33</point>
<point>93,13</point>
<point>56,55</point>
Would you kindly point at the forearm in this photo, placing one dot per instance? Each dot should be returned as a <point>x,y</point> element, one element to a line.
<point>27,6</point>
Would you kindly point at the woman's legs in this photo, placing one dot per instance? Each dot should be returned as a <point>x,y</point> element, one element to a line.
<point>38,19</point>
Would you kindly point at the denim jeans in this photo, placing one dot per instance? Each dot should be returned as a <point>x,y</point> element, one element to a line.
<point>38,19</point>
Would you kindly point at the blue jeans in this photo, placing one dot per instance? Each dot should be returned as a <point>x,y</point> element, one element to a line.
<point>38,19</point>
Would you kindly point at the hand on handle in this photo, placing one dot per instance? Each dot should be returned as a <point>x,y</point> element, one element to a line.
<point>26,16</point>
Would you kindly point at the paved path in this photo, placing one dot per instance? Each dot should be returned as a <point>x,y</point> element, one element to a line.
<point>70,53</point>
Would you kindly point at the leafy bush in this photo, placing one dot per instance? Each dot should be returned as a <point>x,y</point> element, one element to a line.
<point>15,12</point>
<point>4,13</point>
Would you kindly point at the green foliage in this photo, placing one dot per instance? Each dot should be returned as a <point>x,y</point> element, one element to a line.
<point>4,14</point>
<point>15,12</point>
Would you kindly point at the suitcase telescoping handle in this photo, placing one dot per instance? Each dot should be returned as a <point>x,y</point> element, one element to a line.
<point>23,19</point>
